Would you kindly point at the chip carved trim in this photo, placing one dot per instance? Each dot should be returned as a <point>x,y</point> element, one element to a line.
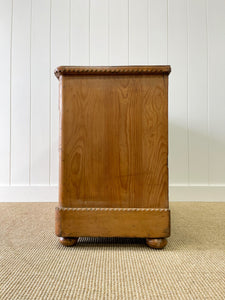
<point>111,209</point>
<point>113,70</point>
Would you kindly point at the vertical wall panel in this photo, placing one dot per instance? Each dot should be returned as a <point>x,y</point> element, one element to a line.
<point>5,56</point>
<point>59,56</point>
<point>138,32</point>
<point>40,92</point>
<point>118,32</point>
<point>178,106</point>
<point>80,32</point>
<point>20,92</point>
<point>188,34</point>
<point>197,92</point>
<point>99,12</point>
<point>157,32</point>
<point>216,67</point>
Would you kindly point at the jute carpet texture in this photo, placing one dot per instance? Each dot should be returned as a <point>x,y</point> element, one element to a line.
<point>33,265</point>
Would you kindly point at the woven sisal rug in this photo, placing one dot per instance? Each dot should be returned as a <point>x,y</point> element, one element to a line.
<point>33,265</point>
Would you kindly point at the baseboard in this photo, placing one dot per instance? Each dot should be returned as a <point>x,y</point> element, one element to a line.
<point>37,193</point>
<point>41,193</point>
<point>200,193</point>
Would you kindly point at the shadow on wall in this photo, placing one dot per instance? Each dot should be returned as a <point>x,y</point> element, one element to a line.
<point>194,156</point>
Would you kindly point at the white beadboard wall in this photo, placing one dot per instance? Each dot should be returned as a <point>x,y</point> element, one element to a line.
<point>38,35</point>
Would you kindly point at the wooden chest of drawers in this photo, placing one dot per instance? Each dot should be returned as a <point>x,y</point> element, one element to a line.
<point>113,153</point>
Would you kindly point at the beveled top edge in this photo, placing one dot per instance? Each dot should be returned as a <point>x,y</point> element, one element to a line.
<point>111,70</point>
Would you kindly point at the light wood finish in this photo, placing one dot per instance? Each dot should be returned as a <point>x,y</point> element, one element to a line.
<point>113,150</point>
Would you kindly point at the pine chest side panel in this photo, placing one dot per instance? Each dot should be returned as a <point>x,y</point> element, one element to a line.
<point>114,141</point>
<point>113,153</point>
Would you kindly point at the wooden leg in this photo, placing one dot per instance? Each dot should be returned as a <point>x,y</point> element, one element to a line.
<point>156,243</point>
<point>67,241</point>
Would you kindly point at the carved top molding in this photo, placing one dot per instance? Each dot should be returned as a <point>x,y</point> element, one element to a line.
<point>110,209</point>
<point>112,70</point>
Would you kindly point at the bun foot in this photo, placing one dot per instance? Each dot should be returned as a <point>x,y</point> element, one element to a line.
<point>67,241</point>
<point>156,243</point>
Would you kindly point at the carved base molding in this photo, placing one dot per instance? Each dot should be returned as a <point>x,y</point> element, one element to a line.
<point>110,209</point>
<point>113,222</point>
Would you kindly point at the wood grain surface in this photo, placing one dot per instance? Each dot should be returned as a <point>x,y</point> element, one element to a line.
<point>114,140</point>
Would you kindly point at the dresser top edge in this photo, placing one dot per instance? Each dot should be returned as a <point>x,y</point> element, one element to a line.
<point>112,70</point>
